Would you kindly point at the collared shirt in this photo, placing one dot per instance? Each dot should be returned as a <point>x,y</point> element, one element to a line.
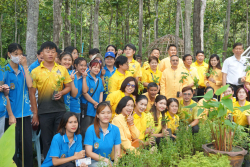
<point>107,76</point>
<point>75,101</point>
<point>165,63</point>
<point>151,76</point>
<point>19,92</point>
<point>173,122</point>
<point>114,98</point>
<point>151,123</point>
<point>188,114</point>
<point>34,65</point>
<point>135,68</point>
<point>202,70</point>
<point>192,74</point>
<point>103,146</point>
<point>240,117</point>
<point>170,82</point>
<point>127,132</point>
<point>141,124</point>
<point>217,77</point>
<point>3,101</point>
<point>45,82</point>
<point>146,65</point>
<point>61,147</point>
<point>234,69</point>
<point>116,80</point>
<point>150,103</point>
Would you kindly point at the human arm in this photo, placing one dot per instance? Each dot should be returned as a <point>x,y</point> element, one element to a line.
<point>12,118</point>
<point>32,92</point>
<point>224,79</point>
<point>218,80</point>
<point>74,90</point>
<point>101,97</point>
<point>59,161</point>
<point>23,62</point>
<point>90,99</point>
<point>194,123</point>
<point>66,90</point>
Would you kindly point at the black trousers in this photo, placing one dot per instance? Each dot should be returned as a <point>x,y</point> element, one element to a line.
<point>27,141</point>
<point>200,92</point>
<point>68,164</point>
<point>235,87</point>
<point>195,129</point>
<point>49,124</point>
<point>86,122</point>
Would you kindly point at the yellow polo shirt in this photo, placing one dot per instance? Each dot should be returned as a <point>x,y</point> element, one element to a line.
<point>115,81</point>
<point>170,84</point>
<point>248,77</point>
<point>146,65</point>
<point>192,73</point>
<point>173,123</point>
<point>202,70</point>
<point>191,111</point>
<point>218,79</point>
<point>150,103</point>
<point>151,122</point>
<point>135,68</point>
<point>165,63</point>
<point>114,98</point>
<point>151,76</point>
<point>141,124</point>
<point>241,117</point>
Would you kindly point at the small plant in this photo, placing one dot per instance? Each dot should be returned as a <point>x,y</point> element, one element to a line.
<point>106,80</point>
<point>59,83</point>
<point>210,72</point>
<point>140,88</point>
<point>156,79</point>
<point>183,77</point>
<point>196,81</point>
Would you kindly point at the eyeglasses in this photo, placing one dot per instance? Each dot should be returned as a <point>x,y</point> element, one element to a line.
<point>175,60</point>
<point>133,86</point>
<point>187,94</point>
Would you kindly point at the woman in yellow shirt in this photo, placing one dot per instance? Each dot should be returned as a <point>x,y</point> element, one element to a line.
<point>215,75</point>
<point>152,74</point>
<point>172,117</point>
<point>124,120</point>
<point>241,118</point>
<point>129,87</point>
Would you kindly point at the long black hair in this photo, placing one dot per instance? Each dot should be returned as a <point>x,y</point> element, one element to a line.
<point>218,64</point>
<point>12,48</point>
<point>153,109</point>
<point>123,102</point>
<point>61,128</point>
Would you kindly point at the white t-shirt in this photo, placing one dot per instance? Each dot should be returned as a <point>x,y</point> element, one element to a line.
<point>234,69</point>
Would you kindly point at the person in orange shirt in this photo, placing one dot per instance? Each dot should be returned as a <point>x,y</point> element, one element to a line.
<point>215,75</point>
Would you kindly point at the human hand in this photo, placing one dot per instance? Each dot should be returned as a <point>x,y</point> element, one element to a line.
<point>72,75</point>
<point>23,61</point>
<point>58,96</point>
<point>119,52</point>
<point>12,119</point>
<point>207,84</point>
<point>83,165</point>
<point>35,120</point>
<point>95,104</point>
<point>243,79</point>
<point>80,155</point>
<point>212,80</point>
<point>6,89</point>
<point>108,162</point>
<point>85,73</point>
<point>130,119</point>
<point>103,72</point>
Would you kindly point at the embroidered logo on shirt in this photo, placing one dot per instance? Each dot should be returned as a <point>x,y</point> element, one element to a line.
<point>96,145</point>
<point>63,156</point>
<point>91,90</point>
<point>133,66</point>
<point>12,86</point>
<point>58,72</point>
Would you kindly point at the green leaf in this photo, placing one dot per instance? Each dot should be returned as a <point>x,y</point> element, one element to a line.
<point>243,108</point>
<point>222,111</point>
<point>227,97</point>
<point>200,110</point>
<point>227,122</point>
<point>214,103</point>
<point>221,90</point>
<point>228,103</point>
<point>209,95</point>
<point>191,106</point>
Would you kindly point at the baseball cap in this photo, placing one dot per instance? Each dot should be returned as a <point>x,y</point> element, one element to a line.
<point>109,54</point>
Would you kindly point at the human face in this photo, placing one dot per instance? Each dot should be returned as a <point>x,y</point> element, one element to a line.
<point>109,61</point>
<point>228,92</point>
<point>71,125</point>
<point>130,88</point>
<point>200,57</point>
<point>81,67</point>
<point>172,51</point>
<point>141,106</point>
<point>105,115</point>
<point>129,52</point>
<point>187,96</point>
<point>161,105</point>
<point>174,61</point>
<point>153,64</point>
<point>16,53</point>
<point>238,50</point>
<point>188,61</point>
<point>40,58</point>
<point>49,55</point>
<point>155,53</point>
<point>173,107</point>
<point>74,54</point>
<point>139,60</point>
<point>152,92</point>
<point>242,94</point>
<point>57,60</point>
<point>95,69</point>
<point>214,62</point>
<point>111,49</point>
<point>128,109</point>
<point>66,61</point>
<point>124,67</point>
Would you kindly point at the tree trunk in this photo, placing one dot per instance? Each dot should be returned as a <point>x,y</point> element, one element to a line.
<point>117,24</point>
<point>75,26</point>
<point>203,8</point>
<point>96,25</point>
<point>32,26</point>
<point>81,28</point>
<point>182,26</point>
<point>187,37</point>
<point>140,25</point>
<point>177,22</point>
<point>90,27</point>
<point>1,43</point>
<point>67,34</point>
<point>15,22</point>
<point>247,24</point>
<point>226,33</point>
<point>57,20</point>
<point>156,20</point>
<point>196,26</point>
<point>111,18</point>
<point>127,25</point>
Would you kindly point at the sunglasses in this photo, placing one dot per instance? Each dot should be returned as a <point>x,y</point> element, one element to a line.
<point>133,86</point>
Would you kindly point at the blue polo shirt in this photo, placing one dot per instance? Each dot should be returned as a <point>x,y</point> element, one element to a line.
<point>19,93</point>
<point>104,145</point>
<point>34,65</point>
<point>107,75</point>
<point>61,148</point>
<point>75,101</point>
<point>91,111</point>
<point>3,100</point>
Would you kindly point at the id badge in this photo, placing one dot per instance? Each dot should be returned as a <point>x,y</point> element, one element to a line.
<point>87,161</point>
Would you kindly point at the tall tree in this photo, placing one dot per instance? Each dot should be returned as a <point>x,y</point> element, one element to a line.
<point>203,8</point>
<point>226,33</point>
<point>248,26</point>
<point>57,20</point>
<point>177,22</point>
<point>1,43</point>
<point>75,26</point>
<point>187,37</point>
<point>67,36</point>
<point>32,26</point>
<point>156,20</point>
<point>196,26</point>
<point>111,18</point>
<point>127,24</point>
<point>96,25</point>
<point>90,26</point>
<point>140,25</point>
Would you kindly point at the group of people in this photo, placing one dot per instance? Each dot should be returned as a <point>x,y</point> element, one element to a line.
<point>94,109</point>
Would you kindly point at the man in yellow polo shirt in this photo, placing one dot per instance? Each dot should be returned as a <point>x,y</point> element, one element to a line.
<point>152,90</point>
<point>48,77</point>
<point>115,81</point>
<point>165,63</point>
<point>202,68</point>
<point>155,52</point>
<point>189,115</point>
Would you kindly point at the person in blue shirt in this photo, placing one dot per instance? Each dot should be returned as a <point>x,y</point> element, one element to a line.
<point>109,71</point>
<point>93,92</point>
<point>66,145</point>
<point>101,137</point>
<point>20,82</point>
<point>37,62</point>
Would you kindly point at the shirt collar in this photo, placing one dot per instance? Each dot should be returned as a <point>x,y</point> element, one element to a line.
<point>37,62</point>
<point>66,140</point>
<point>42,64</point>
<point>153,71</point>
<point>169,116</point>
<point>137,116</point>
<point>109,128</point>
<point>189,104</point>
<point>11,69</point>
<point>197,64</point>
<point>133,60</point>
<point>120,73</point>
<point>106,68</point>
